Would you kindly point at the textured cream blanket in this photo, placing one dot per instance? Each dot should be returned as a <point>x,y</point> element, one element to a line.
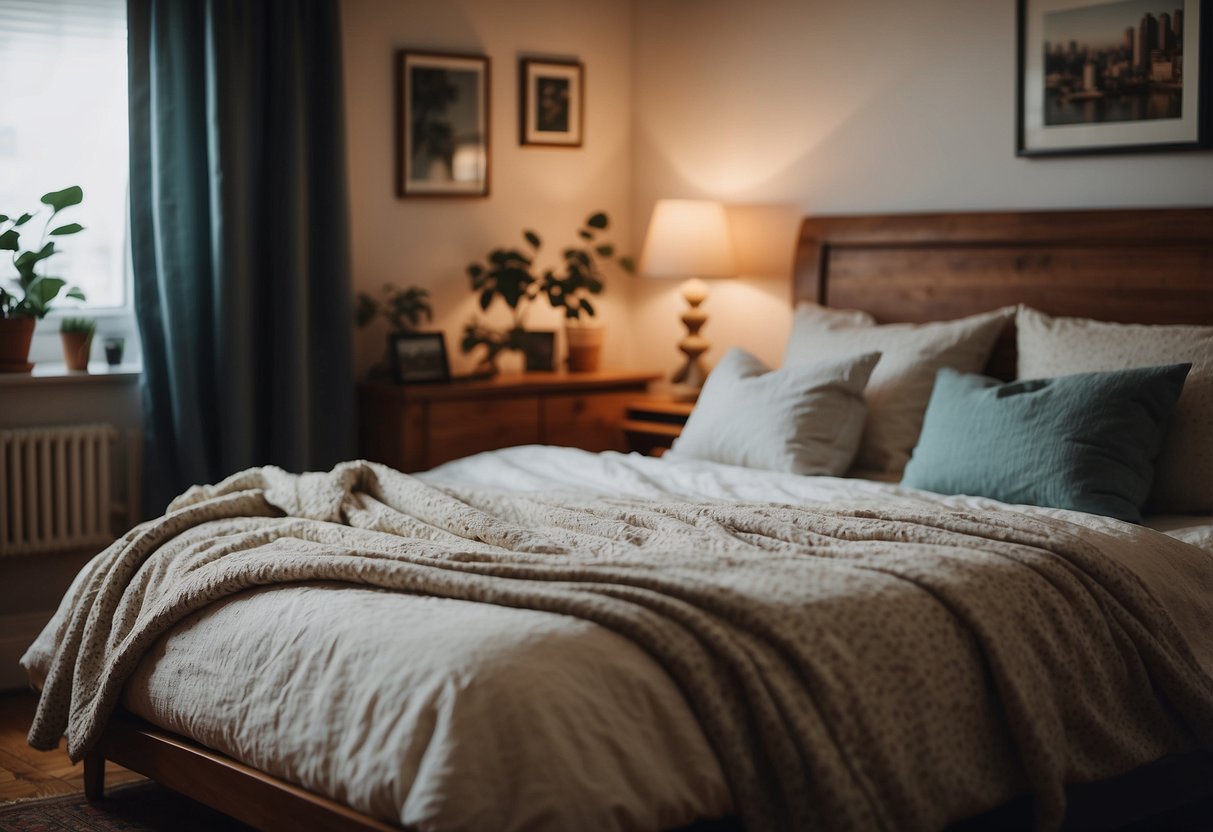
<point>851,671</point>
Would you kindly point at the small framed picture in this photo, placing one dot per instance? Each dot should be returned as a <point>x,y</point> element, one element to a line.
<point>1113,76</point>
<point>442,124</point>
<point>540,351</point>
<point>419,357</point>
<point>552,102</point>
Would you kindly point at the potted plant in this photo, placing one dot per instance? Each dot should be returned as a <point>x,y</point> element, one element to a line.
<point>403,309</point>
<point>33,293</point>
<point>509,273</point>
<point>77,337</point>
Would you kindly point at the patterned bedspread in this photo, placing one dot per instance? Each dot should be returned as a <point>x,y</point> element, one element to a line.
<point>851,668</point>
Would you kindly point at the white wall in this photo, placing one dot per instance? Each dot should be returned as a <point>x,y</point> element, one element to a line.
<point>429,242</point>
<point>855,107</point>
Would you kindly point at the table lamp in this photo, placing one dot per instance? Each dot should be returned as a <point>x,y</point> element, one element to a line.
<point>689,238</point>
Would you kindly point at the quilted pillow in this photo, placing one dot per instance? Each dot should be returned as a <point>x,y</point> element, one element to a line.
<point>900,386</point>
<point>1183,482</point>
<point>801,420</point>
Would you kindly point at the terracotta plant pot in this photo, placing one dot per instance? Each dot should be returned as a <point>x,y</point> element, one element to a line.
<point>15,337</point>
<point>76,347</point>
<point>585,347</point>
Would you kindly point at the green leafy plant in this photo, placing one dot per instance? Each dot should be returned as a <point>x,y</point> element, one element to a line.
<point>509,274</point>
<point>403,309</point>
<point>84,326</point>
<point>35,292</point>
<point>494,341</point>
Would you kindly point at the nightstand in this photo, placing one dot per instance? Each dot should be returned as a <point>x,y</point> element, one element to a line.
<point>654,422</point>
<point>415,427</point>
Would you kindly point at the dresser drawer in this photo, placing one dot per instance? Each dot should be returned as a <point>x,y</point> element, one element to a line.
<point>463,427</point>
<point>413,427</point>
<point>587,420</point>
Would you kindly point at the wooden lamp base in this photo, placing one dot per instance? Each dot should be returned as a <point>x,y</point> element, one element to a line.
<point>689,378</point>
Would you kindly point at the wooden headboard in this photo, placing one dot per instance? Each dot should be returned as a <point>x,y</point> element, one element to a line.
<point>1152,266</point>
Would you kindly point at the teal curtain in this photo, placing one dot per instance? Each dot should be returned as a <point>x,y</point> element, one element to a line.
<point>239,233</point>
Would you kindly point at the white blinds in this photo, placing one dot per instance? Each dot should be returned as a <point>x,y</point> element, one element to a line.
<point>63,121</point>
<point>30,19</point>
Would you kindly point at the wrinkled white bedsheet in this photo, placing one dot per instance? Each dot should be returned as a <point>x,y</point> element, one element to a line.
<point>392,703</point>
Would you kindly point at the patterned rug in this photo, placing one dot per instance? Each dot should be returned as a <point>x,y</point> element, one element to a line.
<point>139,807</point>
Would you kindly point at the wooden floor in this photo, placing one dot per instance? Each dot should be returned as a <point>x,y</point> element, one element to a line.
<point>26,773</point>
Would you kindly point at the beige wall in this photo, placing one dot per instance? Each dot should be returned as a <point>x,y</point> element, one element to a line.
<point>429,242</point>
<point>867,105</point>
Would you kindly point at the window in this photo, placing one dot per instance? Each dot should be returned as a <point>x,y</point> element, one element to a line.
<point>64,122</point>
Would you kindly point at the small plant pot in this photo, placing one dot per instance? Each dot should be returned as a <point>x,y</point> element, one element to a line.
<point>76,347</point>
<point>585,347</point>
<point>15,337</point>
<point>113,350</point>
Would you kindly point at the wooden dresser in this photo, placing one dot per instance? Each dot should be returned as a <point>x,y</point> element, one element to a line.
<point>415,427</point>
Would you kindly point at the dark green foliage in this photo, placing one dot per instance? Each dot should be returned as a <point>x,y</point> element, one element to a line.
<point>36,292</point>
<point>85,325</point>
<point>58,200</point>
<point>402,308</point>
<point>509,274</point>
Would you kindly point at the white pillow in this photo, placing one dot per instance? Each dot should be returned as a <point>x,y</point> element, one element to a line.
<point>801,420</point>
<point>900,387</point>
<point>1183,474</point>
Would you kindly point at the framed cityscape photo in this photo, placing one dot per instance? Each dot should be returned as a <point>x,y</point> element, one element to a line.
<point>442,124</point>
<point>552,102</point>
<point>1112,76</point>
<point>419,357</point>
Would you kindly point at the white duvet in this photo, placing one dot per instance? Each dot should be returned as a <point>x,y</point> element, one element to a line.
<point>394,703</point>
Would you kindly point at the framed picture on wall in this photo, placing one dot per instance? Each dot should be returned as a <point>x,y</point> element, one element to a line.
<point>552,99</point>
<point>1112,76</point>
<point>442,124</point>
<point>419,357</point>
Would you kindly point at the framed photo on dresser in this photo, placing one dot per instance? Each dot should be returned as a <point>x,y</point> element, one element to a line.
<point>1113,76</point>
<point>419,357</point>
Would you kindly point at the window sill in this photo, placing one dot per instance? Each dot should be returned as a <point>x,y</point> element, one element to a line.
<point>56,372</point>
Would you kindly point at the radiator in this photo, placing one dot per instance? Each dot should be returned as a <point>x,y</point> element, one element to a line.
<point>55,488</point>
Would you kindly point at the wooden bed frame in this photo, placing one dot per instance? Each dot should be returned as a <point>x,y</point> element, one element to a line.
<point>1145,266</point>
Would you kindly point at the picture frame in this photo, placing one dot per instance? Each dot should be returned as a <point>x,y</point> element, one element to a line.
<point>551,102</point>
<point>442,124</point>
<point>1112,76</point>
<point>539,347</point>
<point>419,357</point>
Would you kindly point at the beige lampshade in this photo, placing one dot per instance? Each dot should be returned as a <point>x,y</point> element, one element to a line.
<point>688,238</point>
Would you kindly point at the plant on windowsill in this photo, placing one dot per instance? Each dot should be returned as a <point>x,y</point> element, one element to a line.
<point>403,309</point>
<point>34,293</point>
<point>77,337</point>
<point>509,273</point>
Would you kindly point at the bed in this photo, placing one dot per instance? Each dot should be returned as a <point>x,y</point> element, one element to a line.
<point>629,719</point>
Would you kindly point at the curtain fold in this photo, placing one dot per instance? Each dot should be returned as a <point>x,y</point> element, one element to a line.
<point>239,237</point>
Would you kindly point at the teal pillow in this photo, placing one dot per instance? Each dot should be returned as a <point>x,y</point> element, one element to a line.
<point>1085,442</point>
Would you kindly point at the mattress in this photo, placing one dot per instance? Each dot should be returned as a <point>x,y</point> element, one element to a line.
<point>440,713</point>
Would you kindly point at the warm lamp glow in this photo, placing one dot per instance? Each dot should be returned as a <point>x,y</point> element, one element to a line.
<point>689,238</point>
